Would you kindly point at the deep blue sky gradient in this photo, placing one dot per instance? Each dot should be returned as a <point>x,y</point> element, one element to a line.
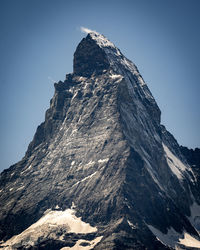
<point>38,39</point>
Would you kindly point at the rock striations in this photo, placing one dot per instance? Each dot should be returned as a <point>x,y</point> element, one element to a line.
<point>101,171</point>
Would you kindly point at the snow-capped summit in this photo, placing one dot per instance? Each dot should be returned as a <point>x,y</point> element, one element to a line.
<point>100,39</point>
<point>101,171</point>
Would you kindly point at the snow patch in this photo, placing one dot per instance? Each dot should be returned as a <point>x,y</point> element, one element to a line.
<point>101,40</point>
<point>47,227</point>
<point>114,76</point>
<point>20,188</point>
<point>90,163</point>
<point>141,81</point>
<point>80,78</point>
<point>103,160</point>
<point>26,169</point>
<point>86,165</point>
<point>189,241</point>
<point>131,224</point>
<point>176,166</point>
<point>73,206</point>
<point>174,239</point>
<point>90,245</point>
<point>84,179</point>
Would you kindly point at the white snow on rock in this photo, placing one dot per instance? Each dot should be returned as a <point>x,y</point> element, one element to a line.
<point>115,76</point>
<point>174,239</point>
<point>176,166</point>
<point>103,160</point>
<point>26,169</point>
<point>101,40</point>
<point>78,246</point>
<point>84,179</point>
<point>90,176</point>
<point>20,188</point>
<point>189,241</point>
<point>131,224</point>
<point>48,227</point>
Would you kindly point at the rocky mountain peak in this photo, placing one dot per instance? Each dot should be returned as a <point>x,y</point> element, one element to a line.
<point>101,170</point>
<point>89,58</point>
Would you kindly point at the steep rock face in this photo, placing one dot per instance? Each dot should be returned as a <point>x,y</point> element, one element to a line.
<point>89,58</point>
<point>192,156</point>
<point>101,154</point>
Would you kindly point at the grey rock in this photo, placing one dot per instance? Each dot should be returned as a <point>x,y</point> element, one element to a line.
<point>102,148</point>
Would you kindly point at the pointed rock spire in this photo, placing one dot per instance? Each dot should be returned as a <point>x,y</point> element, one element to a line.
<point>101,160</point>
<point>89,58</point>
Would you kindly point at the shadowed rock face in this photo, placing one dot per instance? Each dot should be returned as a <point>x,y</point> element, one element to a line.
<point>103,151</point>
<point>192,156</point>
<point>89,58</point>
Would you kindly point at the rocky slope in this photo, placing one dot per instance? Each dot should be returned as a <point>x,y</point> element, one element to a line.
<point>101,171</point>
<point>192,156</point>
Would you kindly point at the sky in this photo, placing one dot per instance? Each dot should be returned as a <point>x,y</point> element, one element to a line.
<point>38,39</point>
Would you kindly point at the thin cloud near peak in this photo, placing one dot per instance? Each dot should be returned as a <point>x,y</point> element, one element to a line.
<point>86,30</point>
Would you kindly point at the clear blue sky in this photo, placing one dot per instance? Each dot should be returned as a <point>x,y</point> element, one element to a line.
<point>38,39</point>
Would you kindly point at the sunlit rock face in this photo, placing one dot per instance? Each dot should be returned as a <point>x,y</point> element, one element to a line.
<point>101,171</point>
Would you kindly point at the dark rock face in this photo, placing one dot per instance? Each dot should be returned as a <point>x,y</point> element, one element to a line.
<point>103,152</point>
<point>192,156</point>
<point>89,58</point>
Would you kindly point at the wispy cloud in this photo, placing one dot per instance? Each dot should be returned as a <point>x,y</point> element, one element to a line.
<point>86,30</point>
<point>51,79</point>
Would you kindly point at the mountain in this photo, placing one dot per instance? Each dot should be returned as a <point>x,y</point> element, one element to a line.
<point>101,171</point>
